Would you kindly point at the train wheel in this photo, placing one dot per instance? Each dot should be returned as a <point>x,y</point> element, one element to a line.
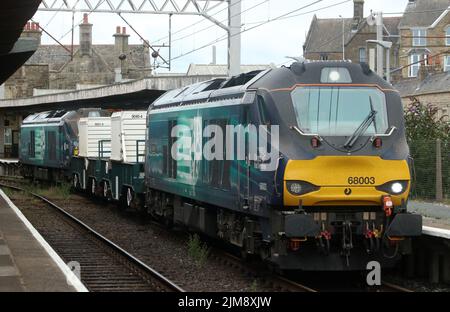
<point>76,181</point>
<point>129,198</point>
<point>93,186</point>
<point>106,190</point>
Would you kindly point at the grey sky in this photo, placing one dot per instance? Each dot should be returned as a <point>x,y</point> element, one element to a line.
<point>269,43</point>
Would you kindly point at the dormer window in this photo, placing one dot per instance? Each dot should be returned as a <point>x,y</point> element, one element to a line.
<point>419,37</point>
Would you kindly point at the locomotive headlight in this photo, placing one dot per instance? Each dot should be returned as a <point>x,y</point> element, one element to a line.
<point>394,187</point>
<point>397,188</point>
<point>298,188</point>
<point>334,76</point>
<point>295,188</point>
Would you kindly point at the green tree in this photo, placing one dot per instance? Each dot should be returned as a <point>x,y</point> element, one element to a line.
<point>422,122</point>
<point>423,127</point>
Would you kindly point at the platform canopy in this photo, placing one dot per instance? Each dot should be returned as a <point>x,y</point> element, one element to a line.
<point>14,52</point>
<point>131,95</point>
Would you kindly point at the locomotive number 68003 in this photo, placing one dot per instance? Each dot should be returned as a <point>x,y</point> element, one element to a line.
<point>361,180</point>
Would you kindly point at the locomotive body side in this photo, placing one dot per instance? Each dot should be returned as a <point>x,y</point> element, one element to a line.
<point>337,197</point>
<point>46,145</point>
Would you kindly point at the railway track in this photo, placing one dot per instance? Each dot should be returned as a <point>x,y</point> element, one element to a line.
<point>266,279</point>
<point>389,287</point>
<point>273,281</point>
<point>104,266</point>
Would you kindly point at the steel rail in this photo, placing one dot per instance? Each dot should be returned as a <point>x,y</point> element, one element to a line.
<point>165,282</point>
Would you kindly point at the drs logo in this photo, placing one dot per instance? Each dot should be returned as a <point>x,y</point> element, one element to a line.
<point>361,180</point>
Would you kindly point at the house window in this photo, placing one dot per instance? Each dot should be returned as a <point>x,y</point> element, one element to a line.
<point>419,37</point>
<point>447,36</point>
<point>8,136</point>
<point>415,65</point>
<point>362,55</point>
<point>447,63</point>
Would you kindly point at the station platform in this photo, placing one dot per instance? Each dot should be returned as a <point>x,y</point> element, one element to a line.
<point>9,161</point>
<point>435,215</point>
<point>27,262</point>
<point>9,167</point>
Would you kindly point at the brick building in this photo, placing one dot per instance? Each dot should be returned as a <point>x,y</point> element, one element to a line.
<point>325,38</point>
<point>52,66</point>
<point>425,54</point>
<point>428,89</point>
<point>424,29</point>
<point>53,69</point>
<point>420,56</point>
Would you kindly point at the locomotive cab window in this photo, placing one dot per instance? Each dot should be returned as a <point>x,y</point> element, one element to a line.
<point>339,111</point>
<point>263,115</point>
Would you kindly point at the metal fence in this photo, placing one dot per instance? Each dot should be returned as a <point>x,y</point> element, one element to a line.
<point>431,170</point>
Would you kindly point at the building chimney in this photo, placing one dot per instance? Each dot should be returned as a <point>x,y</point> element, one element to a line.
<point>121,49</point>
<point>358,13</point>
<point>86,36</point>
<point>32,30</point>
<point>121,40</point>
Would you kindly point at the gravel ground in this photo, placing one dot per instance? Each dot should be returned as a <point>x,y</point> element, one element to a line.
<point>417,285</point>
<point>166,252</point>
<point>435,214</point>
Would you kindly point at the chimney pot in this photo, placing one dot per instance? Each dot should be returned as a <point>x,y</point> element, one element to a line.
<point>358,12</point>
<point>118,30</point>
<point>32,30</point>
<point>86,36</point>
<point>124,30</point>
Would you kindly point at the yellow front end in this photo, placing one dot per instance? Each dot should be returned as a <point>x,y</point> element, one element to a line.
<point>345,180</point>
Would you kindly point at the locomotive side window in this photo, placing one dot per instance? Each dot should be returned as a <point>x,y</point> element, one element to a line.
<point>51,144</point>
<point>171,162</point>
<point>217,171</point>
<point>225,164</point>
<point>338,111</point>
<point>32,149</point>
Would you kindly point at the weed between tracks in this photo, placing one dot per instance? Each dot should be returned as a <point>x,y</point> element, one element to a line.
<point>254,287</point>
<point>61,191</point>
<point>8,192</point>
<point>197,250</point>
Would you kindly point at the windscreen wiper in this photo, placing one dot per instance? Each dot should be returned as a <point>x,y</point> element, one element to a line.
<point>362,127</point>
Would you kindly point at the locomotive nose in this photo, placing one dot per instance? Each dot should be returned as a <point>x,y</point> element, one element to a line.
<point>345,180</point>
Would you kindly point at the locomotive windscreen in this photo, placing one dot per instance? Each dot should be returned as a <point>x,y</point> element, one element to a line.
<point>339,111</point>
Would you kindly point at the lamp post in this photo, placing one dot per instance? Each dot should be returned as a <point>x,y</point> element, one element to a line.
<point>387,45</point>
<point>343,37</point>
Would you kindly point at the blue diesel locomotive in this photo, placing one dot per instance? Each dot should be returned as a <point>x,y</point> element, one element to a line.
<point>323,178</point>
<point>305,166</point>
